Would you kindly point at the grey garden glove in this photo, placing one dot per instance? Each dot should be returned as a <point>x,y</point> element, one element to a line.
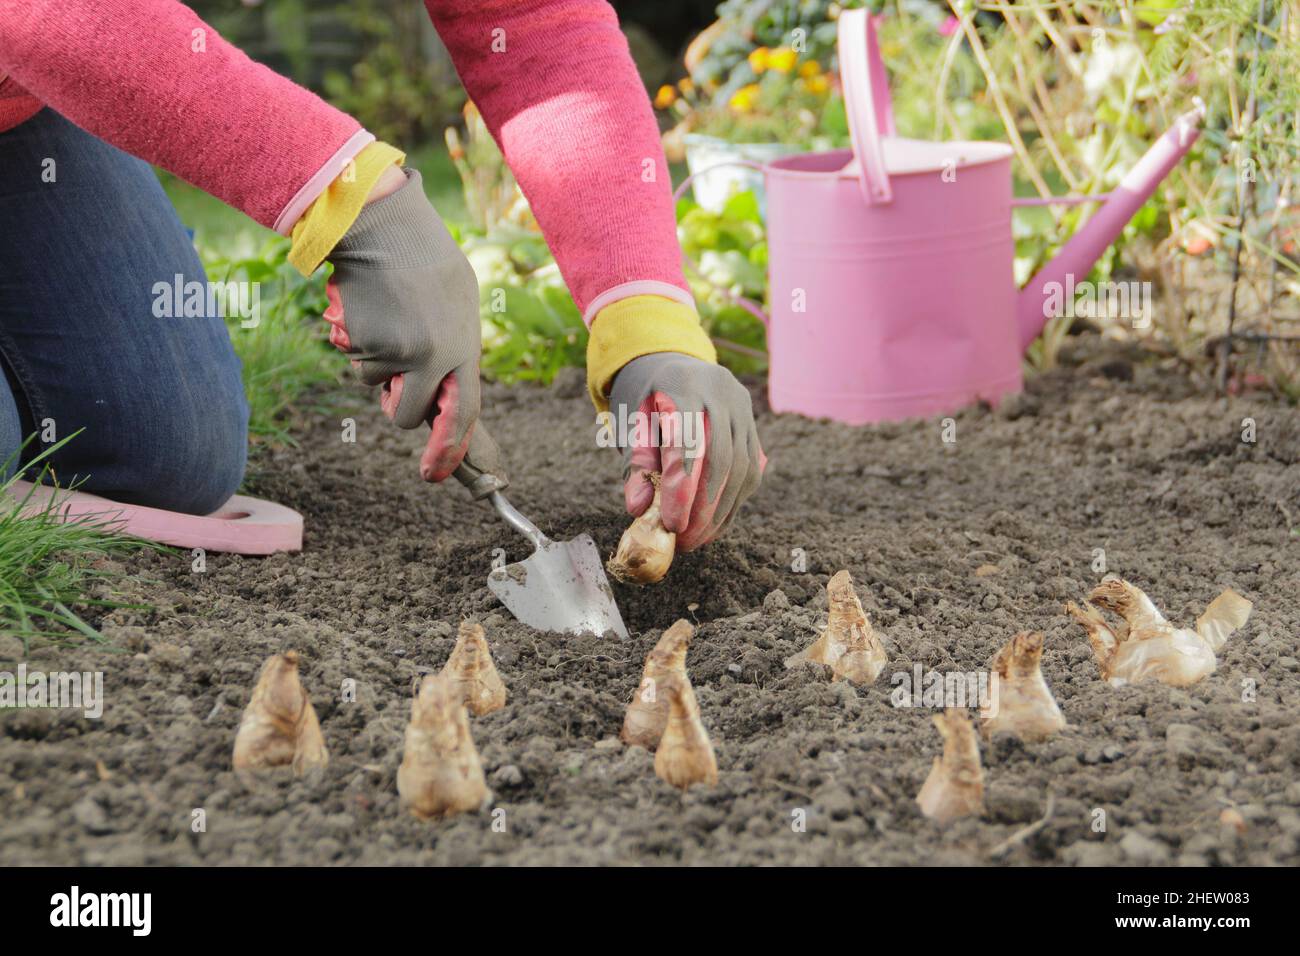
<point>706,446</point>
<point>404,307</point>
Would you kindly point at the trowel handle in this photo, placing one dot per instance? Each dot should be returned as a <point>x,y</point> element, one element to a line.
<point>481,470</point>
<point>482,474</point>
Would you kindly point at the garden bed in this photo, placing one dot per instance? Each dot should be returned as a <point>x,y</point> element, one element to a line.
<point>1112,452</point>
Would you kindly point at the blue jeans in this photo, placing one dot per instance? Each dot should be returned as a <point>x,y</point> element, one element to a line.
<point>160,399</point>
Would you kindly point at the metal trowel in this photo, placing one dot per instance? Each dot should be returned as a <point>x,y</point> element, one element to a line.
<point>562,585</point>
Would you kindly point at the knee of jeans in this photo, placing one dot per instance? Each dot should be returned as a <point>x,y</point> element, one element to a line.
<point>213,488</point>
<point>190,466</point>
<point>214,462</point>
<point>11,431</point>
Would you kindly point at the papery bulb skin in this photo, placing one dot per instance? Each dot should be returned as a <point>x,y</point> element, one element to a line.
<point>647,715</point>
<point>472,672</point>
<point>1022,702</point>
<point>440,774</point>
<point>685,755</point>
<point>955,786</point>
<point>848,644</point>
<point>279,726</point>
<point>645,552</point>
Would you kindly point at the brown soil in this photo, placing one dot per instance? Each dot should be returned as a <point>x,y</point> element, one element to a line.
<point>1110,452</point>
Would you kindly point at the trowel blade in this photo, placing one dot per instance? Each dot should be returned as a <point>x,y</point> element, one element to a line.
<point>560,587</point>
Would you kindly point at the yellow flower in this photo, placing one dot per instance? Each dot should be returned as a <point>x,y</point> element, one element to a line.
<point>685,85</point>
<point>782,59</point>
<point>742,101</point>
<point>817,84</point>
<point>809,68</point>
<point>665,97</point>
<point>758,59</point>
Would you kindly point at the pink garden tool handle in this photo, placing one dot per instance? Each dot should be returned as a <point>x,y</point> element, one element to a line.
<point>749,305</point>
<point>867,105</point>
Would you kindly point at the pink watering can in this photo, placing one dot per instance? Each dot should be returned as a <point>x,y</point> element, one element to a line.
<point>890,265</point>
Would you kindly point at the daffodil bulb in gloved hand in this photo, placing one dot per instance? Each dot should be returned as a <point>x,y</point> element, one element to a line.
<point>702,443</point>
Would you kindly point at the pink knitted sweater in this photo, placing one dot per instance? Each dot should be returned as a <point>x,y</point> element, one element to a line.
<point>553,79</point>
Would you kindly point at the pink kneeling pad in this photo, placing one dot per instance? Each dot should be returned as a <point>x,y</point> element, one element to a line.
<point>242,526</point>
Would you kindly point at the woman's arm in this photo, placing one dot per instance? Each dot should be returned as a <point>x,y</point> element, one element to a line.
<point>151,78</point>
<point>556,84</point>
<point>558,89</point>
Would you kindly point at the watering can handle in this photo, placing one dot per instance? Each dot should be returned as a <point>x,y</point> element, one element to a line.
<point>749,305</point>
<point>867,104</point>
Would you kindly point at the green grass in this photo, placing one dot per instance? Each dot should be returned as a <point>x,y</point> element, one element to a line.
<point>286,355</point>
<point>47,565</point>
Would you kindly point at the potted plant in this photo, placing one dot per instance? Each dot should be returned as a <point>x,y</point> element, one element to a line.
<point>767,104</point>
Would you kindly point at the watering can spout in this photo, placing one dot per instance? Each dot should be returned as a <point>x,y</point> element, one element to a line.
<point>1042,295</point>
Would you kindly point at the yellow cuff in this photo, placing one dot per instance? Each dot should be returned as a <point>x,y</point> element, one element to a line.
<point>334,211</point>
<point>640,325</point>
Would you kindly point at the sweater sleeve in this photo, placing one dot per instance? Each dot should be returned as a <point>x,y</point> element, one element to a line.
<point>154,80</point>
<point>557,87</point>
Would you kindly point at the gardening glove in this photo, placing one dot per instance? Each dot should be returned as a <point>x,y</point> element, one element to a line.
<point>404,306</point>
<point>708,452</point>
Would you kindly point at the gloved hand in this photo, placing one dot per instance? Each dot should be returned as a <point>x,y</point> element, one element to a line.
<point>708,451</point>
<point>404,307</point>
